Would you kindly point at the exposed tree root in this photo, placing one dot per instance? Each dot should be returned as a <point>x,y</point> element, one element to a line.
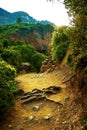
<point>37,94</point>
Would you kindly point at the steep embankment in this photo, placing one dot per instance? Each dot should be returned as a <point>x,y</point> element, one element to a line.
<point>61,110</point>
<point>38,35</point>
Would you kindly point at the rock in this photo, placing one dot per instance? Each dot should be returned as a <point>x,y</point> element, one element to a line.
<point>48,66</point>
<point>64,122</point>
<point>47,117</point>
<point>10,126</point>
<point>66,99</point>
<point>37,76</point>
<point>31,118</point>
<point>49,70</point>
<point>36,108</point>
<point>25,67</point>
<point>45,62</point>
<point>22,72</point>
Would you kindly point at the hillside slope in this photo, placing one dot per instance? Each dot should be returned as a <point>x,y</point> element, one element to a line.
<point>10,18</point>
<point>37,35</point>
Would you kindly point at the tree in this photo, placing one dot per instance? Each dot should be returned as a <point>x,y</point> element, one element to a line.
<point>38,58</point>
<point>59,43</point>
<point>19,20</point>
<point>7,84</point>
<point>78,9</point>
<point>13,57</point>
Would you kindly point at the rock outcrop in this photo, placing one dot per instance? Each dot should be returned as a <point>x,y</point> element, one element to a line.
<point>49,65</point>
<point>24,67</point>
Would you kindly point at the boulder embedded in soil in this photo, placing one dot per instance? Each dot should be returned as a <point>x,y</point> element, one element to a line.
<point>25,67</point>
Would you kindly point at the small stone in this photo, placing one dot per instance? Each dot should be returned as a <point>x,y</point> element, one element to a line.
<point>57,119</point>
<point>60,106</point>
<point>58,110</point>
<point>66,99</point>
<point>47,117</point>
<point>36,108</point>
<point>10,126</point>
<point>37,76</point>
<point>31,118</point>
<point>64,122</point>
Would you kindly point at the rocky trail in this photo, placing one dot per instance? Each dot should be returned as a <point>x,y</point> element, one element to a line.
<point>45,104</point>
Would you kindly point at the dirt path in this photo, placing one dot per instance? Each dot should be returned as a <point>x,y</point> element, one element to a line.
<point>28,82</point>
<point>58,113</point>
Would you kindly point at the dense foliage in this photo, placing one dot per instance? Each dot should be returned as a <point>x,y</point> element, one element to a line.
<point>7,84</point>
<point>13,51</point>
<point>77,9</point>
<point>19,52</point>
<point>59,43</point>
<point>12,56</point>
<point>38,35</point>
<point>23,29</point>
<point>78,57</point>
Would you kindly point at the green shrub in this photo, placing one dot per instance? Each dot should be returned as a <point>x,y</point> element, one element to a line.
<point>77,61</point>
<point>60,43</point>
<point>26,51</point>
<point>12,56</point>
<point>29,54</point>
<point>1,47</point>
<point>21,52</point>
<point>7,84</point>
<point>59,52</point>
<point>38,58</point>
